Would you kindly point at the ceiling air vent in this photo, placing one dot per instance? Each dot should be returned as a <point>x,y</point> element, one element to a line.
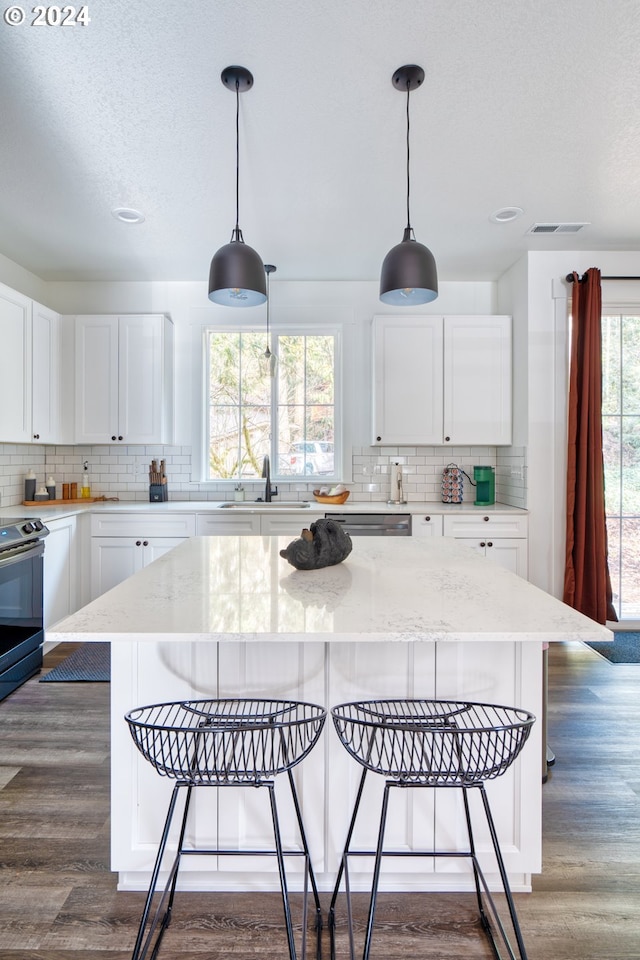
<point>556,227</point>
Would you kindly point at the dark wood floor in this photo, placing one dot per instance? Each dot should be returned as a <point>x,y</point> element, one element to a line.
<point>58,899</point>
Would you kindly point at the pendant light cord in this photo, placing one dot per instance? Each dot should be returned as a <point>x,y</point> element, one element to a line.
<point>268,308</point>
<point>408,157</point>
<point>237,233</point>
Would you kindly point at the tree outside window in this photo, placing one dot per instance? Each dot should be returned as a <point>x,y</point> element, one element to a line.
<point>291,417</point>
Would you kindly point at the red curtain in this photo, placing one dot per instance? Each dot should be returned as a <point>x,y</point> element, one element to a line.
<point>587,585</point>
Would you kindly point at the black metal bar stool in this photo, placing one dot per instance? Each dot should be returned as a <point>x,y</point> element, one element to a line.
<point>436,744</point>
<point>224,743</point>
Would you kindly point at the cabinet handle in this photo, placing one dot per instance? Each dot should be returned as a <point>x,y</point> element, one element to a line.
<point>427,519</point>
<point>489,543</point>
<point>485,519</point>
<point>482,543</point>
<point>378,438</point>
<point>145,543</point>
<point>447,439</point>
<point>113,437</point>
<point>36,436</point>
<point>138,543</point>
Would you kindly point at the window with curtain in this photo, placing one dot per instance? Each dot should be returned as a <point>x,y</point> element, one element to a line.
<point>292,417</point>
<point>621,448</point>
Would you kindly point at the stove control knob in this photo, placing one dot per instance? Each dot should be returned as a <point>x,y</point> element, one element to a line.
<point>28,528</point>
<point>38,525</point>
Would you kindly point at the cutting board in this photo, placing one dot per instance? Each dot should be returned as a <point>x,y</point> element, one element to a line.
<point>51,503</point>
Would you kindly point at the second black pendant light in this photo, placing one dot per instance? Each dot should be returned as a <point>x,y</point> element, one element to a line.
<point>409,274</point>
<point>236,277</point>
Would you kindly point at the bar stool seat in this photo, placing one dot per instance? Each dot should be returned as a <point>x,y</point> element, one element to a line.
<point>433,744</point>
<point>224,743</point>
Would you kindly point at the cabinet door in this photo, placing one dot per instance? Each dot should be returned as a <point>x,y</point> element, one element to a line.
<point>426,525</point>
<point>15,367</point>
<point>510,554</point>
<point>60,570</point>
<point>289,525</point>
<point>407,380</point>
<point>113,559</point>
<point>45,369</point>
<point>477,380</point>
<point>233,523</point>
<point>96,379</point>
<point>140,378</point>
<point>157,546</point>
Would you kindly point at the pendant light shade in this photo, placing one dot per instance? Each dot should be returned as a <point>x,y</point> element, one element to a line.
<point>409,275</point>
<point>236,277</point>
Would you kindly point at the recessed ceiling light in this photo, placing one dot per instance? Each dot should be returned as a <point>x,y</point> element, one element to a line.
<point>506,214</point>
<point>128,215</point>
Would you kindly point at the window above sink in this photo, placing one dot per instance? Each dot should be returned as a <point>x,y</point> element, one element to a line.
<point>294,417</point>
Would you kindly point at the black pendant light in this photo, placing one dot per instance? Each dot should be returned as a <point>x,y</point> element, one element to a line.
<point>270,359</point>
<point>236,277</point>
<point>409,274</point>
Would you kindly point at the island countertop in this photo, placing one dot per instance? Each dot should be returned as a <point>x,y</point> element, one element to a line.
<point>234,589</point>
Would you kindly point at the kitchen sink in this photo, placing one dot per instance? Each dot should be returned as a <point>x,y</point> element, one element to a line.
<point>261,504</point>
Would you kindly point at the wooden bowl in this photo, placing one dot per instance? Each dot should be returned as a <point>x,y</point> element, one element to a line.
<point>335,499</point>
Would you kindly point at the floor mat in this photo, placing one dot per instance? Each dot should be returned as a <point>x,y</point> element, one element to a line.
<point>624,649</point>
<point>90,662</point>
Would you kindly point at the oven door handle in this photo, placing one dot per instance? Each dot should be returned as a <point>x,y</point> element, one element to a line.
<point>20,553</point>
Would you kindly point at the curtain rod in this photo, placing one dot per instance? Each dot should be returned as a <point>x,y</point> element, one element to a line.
<point>569,278</point>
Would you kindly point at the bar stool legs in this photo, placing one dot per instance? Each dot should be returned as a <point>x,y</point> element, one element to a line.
<point>490,919</point>
<point>239,743</point>
<point>154,922</point>
<point>432,745</point>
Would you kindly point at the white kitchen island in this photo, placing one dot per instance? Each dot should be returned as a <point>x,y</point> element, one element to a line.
<point>227,616</point>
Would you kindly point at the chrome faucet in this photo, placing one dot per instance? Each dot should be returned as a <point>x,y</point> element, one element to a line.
<point>266,474</point>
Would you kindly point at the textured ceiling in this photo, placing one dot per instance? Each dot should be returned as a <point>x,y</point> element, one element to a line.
<point>534,103</point>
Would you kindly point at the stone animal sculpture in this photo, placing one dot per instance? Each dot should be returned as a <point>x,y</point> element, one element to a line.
<point>322,545</point>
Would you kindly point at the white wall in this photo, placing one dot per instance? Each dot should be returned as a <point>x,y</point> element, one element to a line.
<point>22,280</point>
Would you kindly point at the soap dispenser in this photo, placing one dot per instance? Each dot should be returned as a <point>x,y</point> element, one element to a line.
<point>85,489</point>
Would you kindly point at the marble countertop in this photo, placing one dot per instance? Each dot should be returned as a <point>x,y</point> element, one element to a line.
<point>389,589</point>
<point>59,511</point>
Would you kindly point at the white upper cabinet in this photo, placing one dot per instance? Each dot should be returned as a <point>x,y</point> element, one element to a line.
<point>15,367</point>
<point>442,380</point>
<point>477,380</point>
<point>124,379</point>
<point>407,380</point>
<point>46,375</point>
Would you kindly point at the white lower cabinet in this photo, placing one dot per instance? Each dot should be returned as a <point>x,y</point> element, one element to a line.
<point>501,538</point>
<point>287,525</point>
<point>511,554</point>
<point>238,523</point>
<point>426,525</point>
<point>228,524</point>
<point>60,570</point>
<point>125,543</point>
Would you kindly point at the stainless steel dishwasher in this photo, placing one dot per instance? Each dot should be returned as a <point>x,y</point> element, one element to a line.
<point>373,524</point>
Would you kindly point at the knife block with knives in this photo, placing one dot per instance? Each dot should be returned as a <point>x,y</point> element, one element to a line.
<point>158,489</point>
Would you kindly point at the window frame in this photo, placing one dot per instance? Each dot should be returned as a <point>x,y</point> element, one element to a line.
<point>620,308</point>
<point>276,329</point>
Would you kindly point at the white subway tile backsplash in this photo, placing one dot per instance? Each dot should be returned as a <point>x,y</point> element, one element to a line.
<point>123,472</point>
